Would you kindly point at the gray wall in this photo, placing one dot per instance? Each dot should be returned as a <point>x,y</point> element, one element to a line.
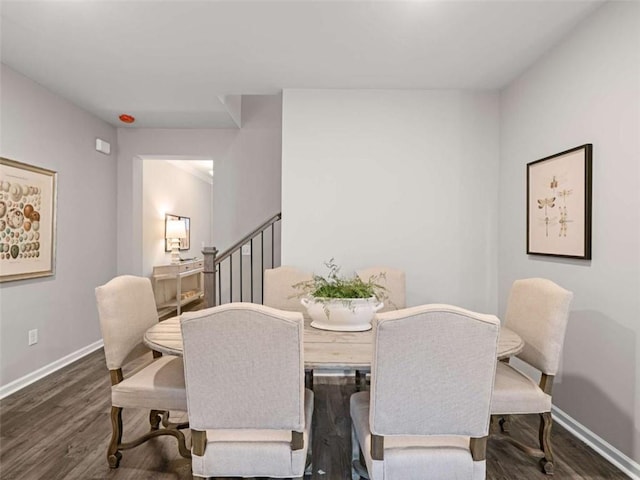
<point>587,90</point>
<point>406,179</point>
<point>42,129</point>
<point>246,185</point>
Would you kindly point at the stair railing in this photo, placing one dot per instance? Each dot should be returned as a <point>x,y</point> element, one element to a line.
<point>219,278</point>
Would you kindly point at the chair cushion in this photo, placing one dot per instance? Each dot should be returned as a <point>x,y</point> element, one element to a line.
<point>157,386</point>
<point>514,393</point>
<point>254,453</point>
<point>414,457</point>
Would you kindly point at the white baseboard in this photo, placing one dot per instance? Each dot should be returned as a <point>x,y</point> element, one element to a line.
<point>28,379</point>
<point>608,451</point>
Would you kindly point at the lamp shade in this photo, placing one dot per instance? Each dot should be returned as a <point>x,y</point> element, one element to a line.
<point>175,229</point>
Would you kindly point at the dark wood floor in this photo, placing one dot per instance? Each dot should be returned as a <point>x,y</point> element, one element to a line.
<point>58,428</point>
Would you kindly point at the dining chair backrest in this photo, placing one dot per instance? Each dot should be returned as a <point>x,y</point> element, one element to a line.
<point>244,367</point>
<point>538,311</point>
<point>278,288</point>
<point>127,308</point>
<point>393,280</point>
<point>432,372</point>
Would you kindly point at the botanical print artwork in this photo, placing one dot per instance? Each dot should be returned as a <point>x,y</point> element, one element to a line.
<point>559,196</point>
<point>550,205</point>
<point>27,221</point>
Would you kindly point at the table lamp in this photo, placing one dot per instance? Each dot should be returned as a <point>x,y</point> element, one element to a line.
<point>174,231</point>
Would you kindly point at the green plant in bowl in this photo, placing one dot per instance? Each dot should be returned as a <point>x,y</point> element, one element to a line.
<point>335,302</point>
<point>333,285</point>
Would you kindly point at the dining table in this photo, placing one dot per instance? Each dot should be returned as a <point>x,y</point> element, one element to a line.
<point>323,349</point>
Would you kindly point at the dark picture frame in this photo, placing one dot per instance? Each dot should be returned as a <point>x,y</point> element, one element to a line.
<point>559,197</point>
<point>185,243</point>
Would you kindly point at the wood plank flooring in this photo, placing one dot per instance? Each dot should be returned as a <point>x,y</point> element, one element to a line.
<point>59,428</point>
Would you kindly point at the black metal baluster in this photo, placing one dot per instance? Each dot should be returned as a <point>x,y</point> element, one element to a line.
<point>241,289</point>
<point>251,269</point>
<point>272,246</point>
<point>231,278</point>
<point>262,266</point>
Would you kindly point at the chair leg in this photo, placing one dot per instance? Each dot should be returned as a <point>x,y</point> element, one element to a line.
<point>505,425</point>
<point>113,452</point>
<point>545,442</point>
<point>155,417</point>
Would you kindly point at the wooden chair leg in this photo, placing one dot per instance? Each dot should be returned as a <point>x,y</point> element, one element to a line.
<point>545,442</point>
<point>113,452</point>
<point>155,417</point>
<point>505,425</point>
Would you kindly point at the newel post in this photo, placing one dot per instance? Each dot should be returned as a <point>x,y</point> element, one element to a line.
<point>210,276</point>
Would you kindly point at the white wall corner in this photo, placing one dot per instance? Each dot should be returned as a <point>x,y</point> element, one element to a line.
<point>233,106</point>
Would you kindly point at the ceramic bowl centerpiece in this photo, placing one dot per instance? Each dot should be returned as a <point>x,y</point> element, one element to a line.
<point>341,304</point>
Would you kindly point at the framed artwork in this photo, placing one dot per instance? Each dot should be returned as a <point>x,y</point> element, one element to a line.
<point>559,204</point>
<point>185,243</point>
<point>27,221</point>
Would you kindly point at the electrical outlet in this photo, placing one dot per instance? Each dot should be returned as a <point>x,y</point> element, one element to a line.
<point>33,336</point>
<point>246,249</point>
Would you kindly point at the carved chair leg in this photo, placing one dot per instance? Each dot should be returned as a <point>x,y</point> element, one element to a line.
<point>505,424</point>
<point>167,423</point>
<point>113,452</point>
<point>545,442</point>
<point>155,416</point>
<point>184,451</point>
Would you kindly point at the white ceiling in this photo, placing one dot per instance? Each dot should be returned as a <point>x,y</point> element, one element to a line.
<point>169,63</point>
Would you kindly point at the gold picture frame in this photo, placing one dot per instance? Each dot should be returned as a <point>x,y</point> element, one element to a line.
<point>27,221</point>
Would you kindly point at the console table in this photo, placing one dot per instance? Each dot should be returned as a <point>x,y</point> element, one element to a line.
<point>176,285</point>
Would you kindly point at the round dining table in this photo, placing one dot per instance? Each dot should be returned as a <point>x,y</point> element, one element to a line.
<point>323,349</point>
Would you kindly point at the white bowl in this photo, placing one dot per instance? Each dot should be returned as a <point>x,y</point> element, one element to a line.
<point>342,314</point>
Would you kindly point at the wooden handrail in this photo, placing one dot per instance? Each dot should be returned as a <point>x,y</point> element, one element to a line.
<point>246,238</point>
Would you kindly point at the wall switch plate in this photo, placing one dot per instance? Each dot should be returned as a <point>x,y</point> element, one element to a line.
<point>246,249</point>
<point>33,336</point>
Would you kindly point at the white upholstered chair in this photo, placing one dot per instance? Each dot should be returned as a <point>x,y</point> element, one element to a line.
<point>394,282</point>
<point>279,293</point>
<point>127,308</point>
<point>278,288</point>
<point>538,311</point>
<point>427,414</point>
<point>249,412</point>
